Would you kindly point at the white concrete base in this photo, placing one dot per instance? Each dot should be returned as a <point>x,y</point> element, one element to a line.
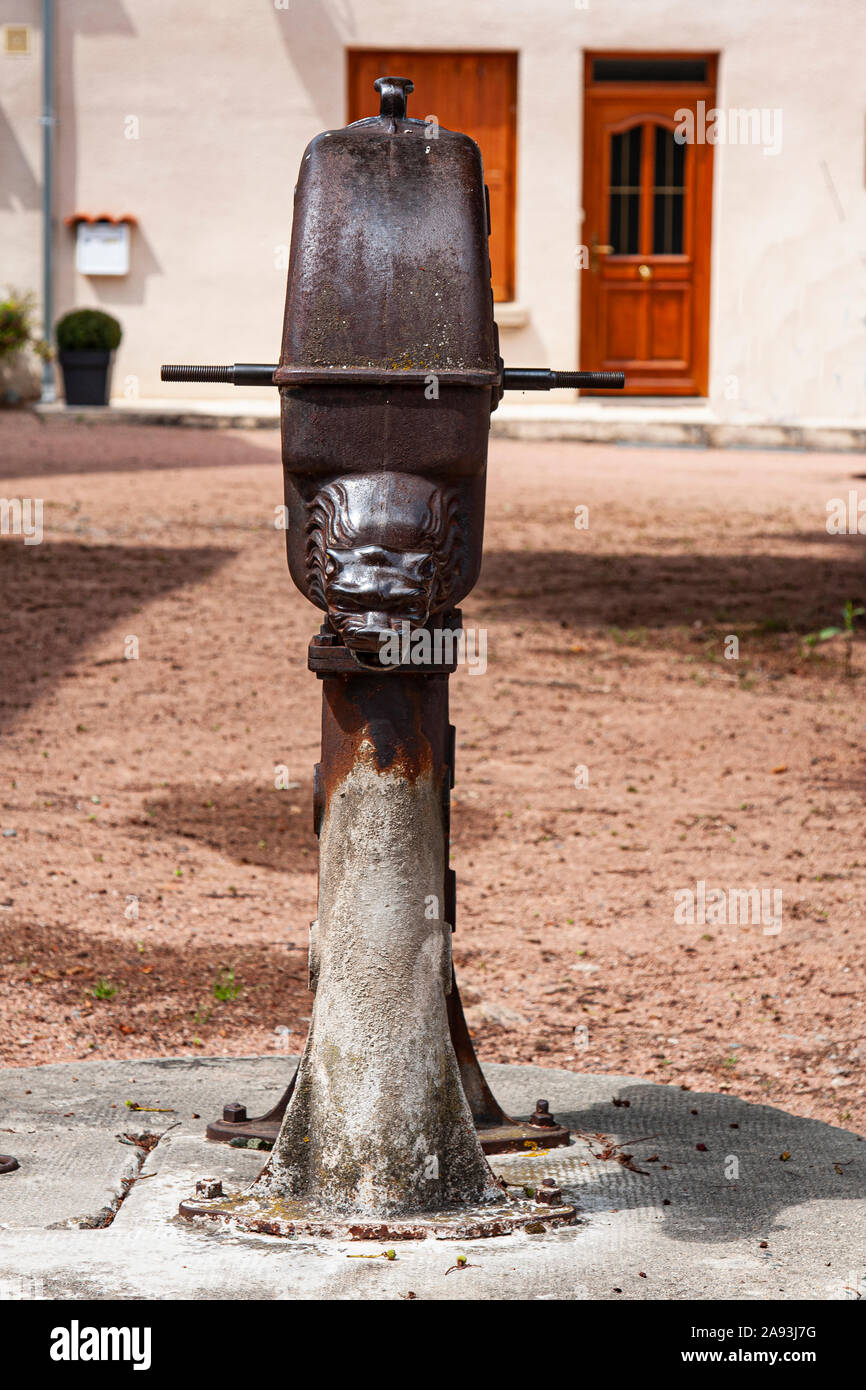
<point>689,1224</point>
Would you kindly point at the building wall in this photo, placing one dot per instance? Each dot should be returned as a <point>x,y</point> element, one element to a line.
<point>227,93</point>
<point>21,183</point>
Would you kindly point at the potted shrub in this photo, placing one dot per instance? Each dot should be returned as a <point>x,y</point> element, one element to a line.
<point>86,339</point>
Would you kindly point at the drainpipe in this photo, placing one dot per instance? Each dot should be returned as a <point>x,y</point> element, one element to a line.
<point>47,121</point>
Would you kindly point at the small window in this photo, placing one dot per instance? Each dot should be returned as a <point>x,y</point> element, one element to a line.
<point>624,193</point>
<point>649,69</point>
<point>668,194</point>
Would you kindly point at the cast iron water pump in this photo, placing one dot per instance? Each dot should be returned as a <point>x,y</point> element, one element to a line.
<point>388,375</point>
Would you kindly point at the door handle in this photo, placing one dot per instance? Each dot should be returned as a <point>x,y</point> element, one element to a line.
<point>645,272</point>
<point>597,249</point>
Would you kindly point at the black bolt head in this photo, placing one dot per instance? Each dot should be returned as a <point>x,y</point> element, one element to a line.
<point>235,1113</point>
<point>542,1115</point>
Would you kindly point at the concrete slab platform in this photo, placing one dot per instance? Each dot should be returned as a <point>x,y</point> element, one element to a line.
<point>686,1216</point>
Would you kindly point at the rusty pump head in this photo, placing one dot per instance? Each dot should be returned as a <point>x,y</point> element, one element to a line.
<point>388,375</point>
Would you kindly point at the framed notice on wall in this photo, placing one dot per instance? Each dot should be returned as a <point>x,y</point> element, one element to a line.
<point>102,248</point>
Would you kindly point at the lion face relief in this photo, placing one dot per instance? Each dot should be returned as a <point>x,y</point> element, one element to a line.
<point>380,552</point>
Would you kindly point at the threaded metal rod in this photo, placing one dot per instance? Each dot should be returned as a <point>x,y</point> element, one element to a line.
<point>238,374</point>
<point>540,379</point>
<point>513,378</point>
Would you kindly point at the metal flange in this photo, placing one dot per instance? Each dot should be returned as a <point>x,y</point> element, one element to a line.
<point>287,1219</point>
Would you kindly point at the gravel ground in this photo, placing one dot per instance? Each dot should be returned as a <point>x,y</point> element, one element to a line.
<point>155,887</point>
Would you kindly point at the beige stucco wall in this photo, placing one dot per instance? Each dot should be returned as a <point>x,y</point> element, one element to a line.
<point>20,186</point>
<point>228,92</point>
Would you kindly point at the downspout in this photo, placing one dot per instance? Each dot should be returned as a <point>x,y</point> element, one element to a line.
<point>48,122</point>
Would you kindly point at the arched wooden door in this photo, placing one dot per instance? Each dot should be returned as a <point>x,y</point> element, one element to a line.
<point>647,222</point>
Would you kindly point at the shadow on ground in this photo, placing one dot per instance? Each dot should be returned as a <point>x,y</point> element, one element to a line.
<point>243,820</point>
<point>639,590</point>
<point>756,1162</point>
<point>59,596</point>
<point>149,990</point>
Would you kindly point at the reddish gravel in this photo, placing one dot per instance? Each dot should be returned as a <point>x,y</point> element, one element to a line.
<point>148,785</point>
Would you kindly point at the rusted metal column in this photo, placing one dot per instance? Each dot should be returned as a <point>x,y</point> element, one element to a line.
<point>379,1122</point>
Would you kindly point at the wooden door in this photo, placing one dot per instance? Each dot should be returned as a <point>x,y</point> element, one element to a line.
<point>472,92</point>
<point>645,294</point>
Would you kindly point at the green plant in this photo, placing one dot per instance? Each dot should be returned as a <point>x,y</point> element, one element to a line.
<point>87,330</point>
<point>16,325</point>
<point>224,987</point>
<point>103,990</point>
<point>849,614</point>
<point>15,322</point>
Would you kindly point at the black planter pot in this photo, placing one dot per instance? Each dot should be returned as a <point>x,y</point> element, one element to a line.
<point>86,376</point>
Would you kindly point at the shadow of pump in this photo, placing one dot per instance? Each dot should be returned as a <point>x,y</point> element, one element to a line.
<point>738,1186</point>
